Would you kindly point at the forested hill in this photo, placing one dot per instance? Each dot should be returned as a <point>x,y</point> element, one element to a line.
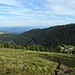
<point>52,36</point>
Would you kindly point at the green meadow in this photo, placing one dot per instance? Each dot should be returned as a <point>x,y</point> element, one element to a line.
<point>26,62</point>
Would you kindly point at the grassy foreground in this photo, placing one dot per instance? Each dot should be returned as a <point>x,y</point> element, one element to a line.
<point>23,62</point>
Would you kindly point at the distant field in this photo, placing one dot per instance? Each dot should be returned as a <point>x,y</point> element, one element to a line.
<point>1,32</point>
<point>23,62</point>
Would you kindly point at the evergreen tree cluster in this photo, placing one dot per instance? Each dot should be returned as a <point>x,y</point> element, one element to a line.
<point>32,47</point>
<point>39,47</point>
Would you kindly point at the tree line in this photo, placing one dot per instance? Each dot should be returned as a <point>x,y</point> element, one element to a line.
<point>38,47</point>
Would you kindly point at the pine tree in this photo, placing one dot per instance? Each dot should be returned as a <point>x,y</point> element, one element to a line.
<point>58,49</point>
<point>6,45</point>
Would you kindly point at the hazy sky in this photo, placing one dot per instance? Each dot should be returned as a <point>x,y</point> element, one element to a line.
<point>36,12</point>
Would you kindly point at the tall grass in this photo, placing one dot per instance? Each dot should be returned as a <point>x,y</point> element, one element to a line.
<point>21,62</point>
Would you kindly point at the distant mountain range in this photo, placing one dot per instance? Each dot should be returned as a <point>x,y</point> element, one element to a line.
<point>47,37</point>
<point>17,29</point>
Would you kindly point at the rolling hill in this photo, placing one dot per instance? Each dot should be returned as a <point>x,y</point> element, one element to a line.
<point>47,37</point>
<point>6,37</point>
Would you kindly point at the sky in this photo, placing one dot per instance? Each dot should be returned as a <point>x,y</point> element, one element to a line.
<point>43,13</point>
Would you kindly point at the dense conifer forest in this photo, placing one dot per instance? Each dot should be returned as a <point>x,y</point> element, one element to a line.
<point>53,36</point>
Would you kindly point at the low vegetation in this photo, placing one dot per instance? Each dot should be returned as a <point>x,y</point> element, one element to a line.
<point>25,62</point>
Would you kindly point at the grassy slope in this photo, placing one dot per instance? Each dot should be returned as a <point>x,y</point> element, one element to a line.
<point>35,63</point>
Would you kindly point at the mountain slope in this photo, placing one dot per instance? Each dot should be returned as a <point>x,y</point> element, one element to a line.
<point>52,36</point>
